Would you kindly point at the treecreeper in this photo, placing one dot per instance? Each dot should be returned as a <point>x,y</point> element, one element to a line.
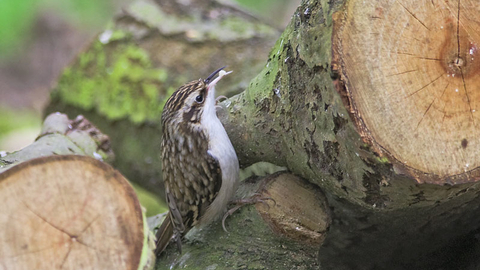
<point>200,166</point>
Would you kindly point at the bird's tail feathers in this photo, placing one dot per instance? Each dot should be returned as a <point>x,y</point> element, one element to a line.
<point>164,234</point>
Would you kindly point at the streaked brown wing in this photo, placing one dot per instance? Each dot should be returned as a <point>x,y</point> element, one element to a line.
<point>192,181</point>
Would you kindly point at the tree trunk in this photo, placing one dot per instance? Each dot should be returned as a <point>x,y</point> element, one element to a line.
<point>359,98</point>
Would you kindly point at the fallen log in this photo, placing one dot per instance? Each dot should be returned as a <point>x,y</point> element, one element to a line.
<point>64,209</point>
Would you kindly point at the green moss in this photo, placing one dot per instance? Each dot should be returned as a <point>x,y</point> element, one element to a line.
<point>251,244</point>
<point>118,35</point>
<point>119,82</point>
<point>262,85</point>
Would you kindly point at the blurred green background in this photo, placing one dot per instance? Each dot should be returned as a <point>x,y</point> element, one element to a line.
<point>38,38</point>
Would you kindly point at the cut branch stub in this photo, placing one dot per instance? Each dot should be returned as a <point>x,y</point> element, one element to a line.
<point>296,209</point>
<point>69,212</point>
<point>411,71</point>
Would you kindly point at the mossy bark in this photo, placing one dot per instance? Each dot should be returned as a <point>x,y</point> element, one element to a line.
<point>291,114</point>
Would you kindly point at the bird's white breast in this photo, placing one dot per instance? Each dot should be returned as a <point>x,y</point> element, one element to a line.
<point>221,148</point>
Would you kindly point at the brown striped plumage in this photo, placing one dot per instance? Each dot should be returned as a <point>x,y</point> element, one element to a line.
<point>192,162</point>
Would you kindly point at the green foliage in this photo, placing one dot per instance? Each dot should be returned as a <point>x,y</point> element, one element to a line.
<point>83,13</point>
<point>16,19</point>
<point>150,201</point>
<point>11,120</point>
<point>261,6</point>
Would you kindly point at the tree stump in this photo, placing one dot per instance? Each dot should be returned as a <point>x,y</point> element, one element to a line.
<point>69,212</point>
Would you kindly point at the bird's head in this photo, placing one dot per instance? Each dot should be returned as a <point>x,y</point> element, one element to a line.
<point>193,102</point>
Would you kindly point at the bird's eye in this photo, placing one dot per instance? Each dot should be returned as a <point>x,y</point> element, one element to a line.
<point>199,99</point>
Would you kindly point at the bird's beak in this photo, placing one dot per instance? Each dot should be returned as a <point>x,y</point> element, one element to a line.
<point>220,72</point>
<point>209,78</point>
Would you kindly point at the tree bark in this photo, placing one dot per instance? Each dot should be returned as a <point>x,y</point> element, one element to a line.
<point>316,108</point>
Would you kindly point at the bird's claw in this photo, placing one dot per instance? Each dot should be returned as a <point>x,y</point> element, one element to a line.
<point>219,99</point>
<point>256,198</point>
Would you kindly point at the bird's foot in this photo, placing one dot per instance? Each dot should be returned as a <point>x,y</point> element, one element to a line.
<point>256,198</point>
<point>220,99</point>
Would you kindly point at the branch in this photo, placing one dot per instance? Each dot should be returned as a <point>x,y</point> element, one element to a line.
<point>61,136</point>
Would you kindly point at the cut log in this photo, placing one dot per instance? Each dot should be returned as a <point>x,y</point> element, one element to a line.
<point>64,209</point>
<point>294,208</point>
<point>386,214</point>
<point>69,212</point>
<point>411,71</point>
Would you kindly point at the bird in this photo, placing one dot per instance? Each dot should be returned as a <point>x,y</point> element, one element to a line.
<point>199,164</point>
